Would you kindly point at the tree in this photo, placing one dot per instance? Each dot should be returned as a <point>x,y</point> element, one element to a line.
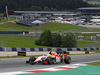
<point>36,8</point>
<point>56,40</point>
<point>49,39</point>
<point>0,19</point>
<point>53,9</point>
<point>11,12</point>
<point>87,20</point>
<point>69,40</point>
<point>46,38</point>
<point>58,4</point>
<point>38,42</point>
<point>46,8</point>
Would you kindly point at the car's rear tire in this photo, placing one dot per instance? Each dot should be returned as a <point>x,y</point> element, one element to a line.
<point>50,60</point>
<point>67,60</point>
<point>31,60</point>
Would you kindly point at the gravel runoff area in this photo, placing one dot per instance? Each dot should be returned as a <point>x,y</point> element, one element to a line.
<point>37,53</point>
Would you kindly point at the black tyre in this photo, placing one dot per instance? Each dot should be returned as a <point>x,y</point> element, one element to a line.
<point>31,60</point>
<point>50,60</point>
<point>67,60</point>
<point>27,62</point>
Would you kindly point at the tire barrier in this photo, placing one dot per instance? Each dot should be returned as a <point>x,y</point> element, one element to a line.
<point>48,49</point>
<point>21,54</point>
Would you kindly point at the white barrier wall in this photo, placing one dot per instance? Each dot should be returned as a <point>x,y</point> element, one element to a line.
<point>35,53</point>
<point>48,49</point>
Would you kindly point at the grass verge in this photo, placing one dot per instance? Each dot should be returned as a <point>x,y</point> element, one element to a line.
<point>51,26</point>
<point>2,57</point>
<point>21,42</point>
<point>12,26</point>
<point>82,43</point>
<point>95,63</point>
<point>96,51</point>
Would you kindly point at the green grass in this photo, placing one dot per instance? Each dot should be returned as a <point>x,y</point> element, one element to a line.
<point>21,42</point>
<point>2,57</point>
<point>60,27</point>
<point>50,25</point>
<point>82,43</point>
<point>3,20</point>
<point>15,27</point>
<point>94,3</point>
<point>96,51</point>
<point>95,63</point>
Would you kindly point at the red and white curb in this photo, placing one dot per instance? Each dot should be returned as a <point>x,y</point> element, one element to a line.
<point>46,70</point>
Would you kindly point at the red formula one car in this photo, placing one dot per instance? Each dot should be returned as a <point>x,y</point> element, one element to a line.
<point>50,58</point>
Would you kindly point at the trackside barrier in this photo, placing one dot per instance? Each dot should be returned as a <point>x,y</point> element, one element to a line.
<point>48,49</point>
<point>23,49</point>
<point>14,49</point>
<point>86,52</point>
<point>1,49</point>
<point>21,54</point>
<point>78,49</point>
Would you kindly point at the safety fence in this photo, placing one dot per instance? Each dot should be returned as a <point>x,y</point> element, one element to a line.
<point>48,49</point>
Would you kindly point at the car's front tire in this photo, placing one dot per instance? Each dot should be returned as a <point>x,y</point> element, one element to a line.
<point>31,60</point>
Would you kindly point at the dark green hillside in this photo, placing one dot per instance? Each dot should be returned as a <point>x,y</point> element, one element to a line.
<point>47,5</point>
